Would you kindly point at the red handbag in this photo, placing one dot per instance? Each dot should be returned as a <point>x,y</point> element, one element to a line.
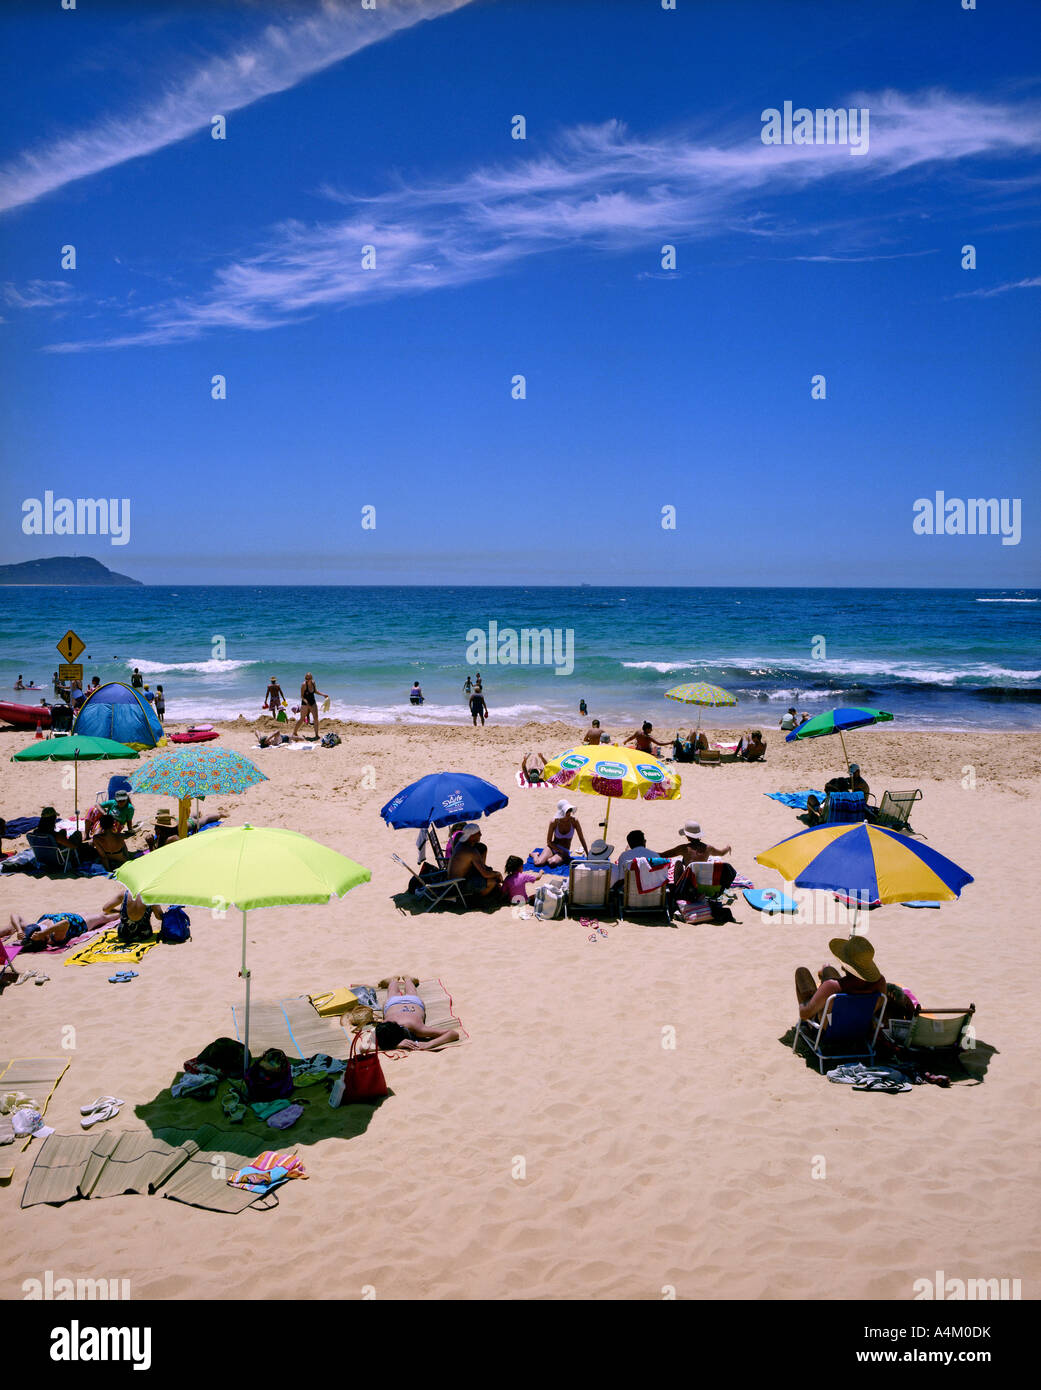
<point>362,1079</point>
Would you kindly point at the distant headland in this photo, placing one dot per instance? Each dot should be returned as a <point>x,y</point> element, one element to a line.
<point>63,570</point>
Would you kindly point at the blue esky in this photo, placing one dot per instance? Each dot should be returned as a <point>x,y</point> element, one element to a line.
<point>392,387</point>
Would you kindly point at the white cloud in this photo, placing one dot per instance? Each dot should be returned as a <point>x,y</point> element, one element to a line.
<point>278,57</point>
<point>601,189</point>
<point>1032,283</point>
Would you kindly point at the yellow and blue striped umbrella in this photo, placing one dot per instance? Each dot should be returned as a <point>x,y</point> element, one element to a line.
<point>698,693</point>
<point>867,860</point>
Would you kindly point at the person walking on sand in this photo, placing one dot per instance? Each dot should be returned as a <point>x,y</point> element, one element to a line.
<point>309,694</point>
<point>478,707</point>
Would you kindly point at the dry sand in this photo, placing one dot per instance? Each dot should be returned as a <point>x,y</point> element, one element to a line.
<point>563,1152</point>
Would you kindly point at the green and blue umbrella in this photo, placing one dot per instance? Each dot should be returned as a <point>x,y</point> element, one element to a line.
<point>837,721</point>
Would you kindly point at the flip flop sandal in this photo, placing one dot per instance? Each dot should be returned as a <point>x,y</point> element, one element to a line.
<point>892,1088</point>
<point>107,1112</point>
<point>24,975</point>
<point>99,1104</point>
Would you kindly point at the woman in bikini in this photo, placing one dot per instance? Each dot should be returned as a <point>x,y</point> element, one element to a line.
<point>404,1019</point>
<point>562,830</point>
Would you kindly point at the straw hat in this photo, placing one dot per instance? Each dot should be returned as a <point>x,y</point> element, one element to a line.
<point>857,954</point>
<point>163,817</point>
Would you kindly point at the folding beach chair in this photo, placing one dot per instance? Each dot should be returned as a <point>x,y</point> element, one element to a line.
<point>588,887</point>
<point>894,810</point>
<point>847,1029</point>
<point>434,888</point>
<point>845,808</point>
<point>929,1032</point>
<point>637,898</point>
<point>52,857</point>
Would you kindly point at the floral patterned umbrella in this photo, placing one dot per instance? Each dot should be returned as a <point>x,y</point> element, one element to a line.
<point>196,771</point>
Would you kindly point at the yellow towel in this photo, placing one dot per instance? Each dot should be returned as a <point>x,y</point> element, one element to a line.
<point>108,950</point>
<point>337,1001</point>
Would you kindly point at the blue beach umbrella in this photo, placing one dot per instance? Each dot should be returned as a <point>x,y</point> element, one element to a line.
<point>441,798</point>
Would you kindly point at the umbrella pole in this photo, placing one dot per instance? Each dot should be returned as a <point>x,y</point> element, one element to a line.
<point>244,974</point>
<point>845,754</point>
<point>76,788</point>
<point>184,807</point>
<point>607,815</point>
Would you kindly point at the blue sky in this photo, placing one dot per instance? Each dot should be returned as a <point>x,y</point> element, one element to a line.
<point>646,388</point>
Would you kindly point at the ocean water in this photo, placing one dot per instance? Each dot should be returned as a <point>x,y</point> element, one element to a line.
<point>945,659</point>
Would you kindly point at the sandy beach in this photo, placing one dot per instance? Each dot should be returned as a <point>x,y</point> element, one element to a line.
<point>563,1152</point>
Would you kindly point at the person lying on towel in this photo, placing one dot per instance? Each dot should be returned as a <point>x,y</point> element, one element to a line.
<point>53,928</point>
<point>404,1019</point>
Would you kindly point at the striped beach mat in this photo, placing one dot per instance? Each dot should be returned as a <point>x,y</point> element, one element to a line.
<point>294,1026</point>
<point>37,1077</point>
<point>189,1166</point>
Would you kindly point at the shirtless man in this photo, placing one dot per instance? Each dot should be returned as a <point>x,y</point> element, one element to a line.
<point>592,734</point>
<point>468,864</point>
<point>404,1020</point>
<point>642,740</point>
<point>273,696</point>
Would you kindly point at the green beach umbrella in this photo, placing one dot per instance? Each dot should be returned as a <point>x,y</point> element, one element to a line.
<point>242,866</point>
<point>835,721</point>
<point>699,693</point>
<point>74,748</point>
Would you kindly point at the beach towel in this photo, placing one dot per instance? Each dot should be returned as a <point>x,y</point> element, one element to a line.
<point>268,1171</point>
<point>529,863</point>
<point>107,949</point>
<point>651,878</point>
<point>797,800</point>
<point>21,825</point>
<point>73,944</point>
<point>523,782</point>
<point>176,1163</point>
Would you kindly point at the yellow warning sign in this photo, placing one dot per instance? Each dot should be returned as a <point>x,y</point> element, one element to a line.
<point>67,673</point>
<point>70,646</point>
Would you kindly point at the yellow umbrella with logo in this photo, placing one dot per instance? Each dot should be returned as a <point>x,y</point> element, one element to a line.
<point>606,769</point>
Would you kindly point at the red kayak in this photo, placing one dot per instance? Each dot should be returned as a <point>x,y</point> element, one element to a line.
<point>195,736</point>
<point>25,716</point>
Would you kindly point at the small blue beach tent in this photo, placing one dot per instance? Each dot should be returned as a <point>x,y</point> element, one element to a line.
<point>117,712</point>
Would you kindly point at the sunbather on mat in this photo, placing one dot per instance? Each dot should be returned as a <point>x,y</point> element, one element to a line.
<point>53,928</point>
<point>860,976</point>
<point>404,1019</point>
<point>533,766</point>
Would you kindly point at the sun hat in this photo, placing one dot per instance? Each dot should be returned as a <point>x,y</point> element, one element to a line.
<point>564,806</point>
<point>600,849</point>
<point>857,954</point>
<point>468,832</point>
<point>854,767</point>
<point>163,817</point>
<point>49,811</point>
<point>691,829</point>
<point>122,795</point>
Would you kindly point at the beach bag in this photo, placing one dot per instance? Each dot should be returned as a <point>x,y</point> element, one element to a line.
<point>362,1078</point>
<point>269,1077</point>
<point>223,1055</point>
<point>336,1001</point>
<point>176,927</point>
<point>330,740</point>
<point>549,901</point>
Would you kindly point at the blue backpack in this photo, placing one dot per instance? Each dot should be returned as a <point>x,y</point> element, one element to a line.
<point>176,926</point>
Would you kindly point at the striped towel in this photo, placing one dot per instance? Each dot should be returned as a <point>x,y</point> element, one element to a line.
<point>252,1176</point>
<point>650,878</point>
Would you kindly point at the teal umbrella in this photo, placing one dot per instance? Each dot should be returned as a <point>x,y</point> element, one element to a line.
<point>836,721</point>
<point>196,771</point>
<point>74,748</point>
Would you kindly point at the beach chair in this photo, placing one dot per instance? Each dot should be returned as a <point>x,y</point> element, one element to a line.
<point>636,899</point>
<point>434,889</point>
<point>588,887</point>
<point>894,810</point>
<point>846,1031</point>
<point>931,1030</point>
<point>115,784</point>
<point>844,808</point>
<point>7,971</point>
<point>52,857</point>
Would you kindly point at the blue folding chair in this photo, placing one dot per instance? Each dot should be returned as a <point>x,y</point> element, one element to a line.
<point>846,1030</point>
<point>52,857</point>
